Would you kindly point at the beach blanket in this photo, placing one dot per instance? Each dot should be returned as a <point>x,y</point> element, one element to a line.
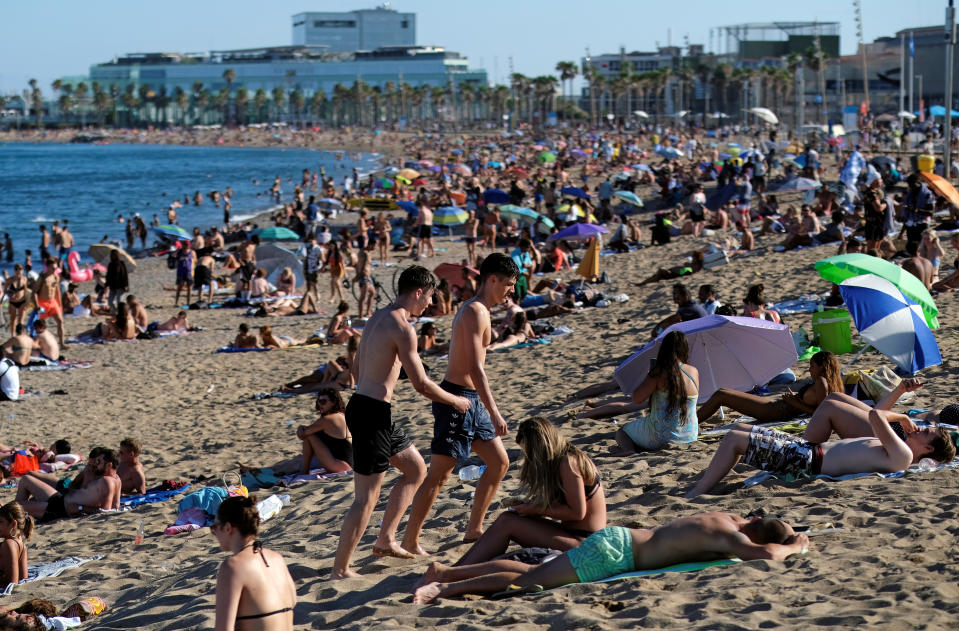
<point>681,567</point>
<point>42,364</point>
<point>804,304</point>
<point>276,395</point>
<point>314,474</point>
<point>233,349</point>
<point>921,467</point>
<point>533,342</point>
<point>50,570</point>
<point>151,498</point>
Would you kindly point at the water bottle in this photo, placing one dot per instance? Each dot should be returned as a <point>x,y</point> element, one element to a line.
<point>926,465</point>
<point>472,472</point>
<point>138,539</point>
<point>269,507</point>
<point>285,499</point>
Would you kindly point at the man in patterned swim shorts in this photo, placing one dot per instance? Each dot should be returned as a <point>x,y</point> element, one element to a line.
<point>615,550</point>
<point>793,457</point>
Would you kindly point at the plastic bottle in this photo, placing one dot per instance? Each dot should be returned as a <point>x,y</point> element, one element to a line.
<point>269,507</point>
<point>285,499</point>
<point>472,472</point>
<point>138,539</point>
<point>926,465</point>
<point>602,304</point>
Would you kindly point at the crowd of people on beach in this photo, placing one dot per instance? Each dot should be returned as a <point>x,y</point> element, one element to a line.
<point>515,196</point>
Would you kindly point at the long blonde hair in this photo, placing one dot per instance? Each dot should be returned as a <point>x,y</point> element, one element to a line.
<point>545,448</point>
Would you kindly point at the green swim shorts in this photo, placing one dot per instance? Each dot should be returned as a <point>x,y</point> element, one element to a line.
<point>604,553</point>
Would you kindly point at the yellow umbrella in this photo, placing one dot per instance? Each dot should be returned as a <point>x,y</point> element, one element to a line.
<point>409,174</point>
<point>589,266</point>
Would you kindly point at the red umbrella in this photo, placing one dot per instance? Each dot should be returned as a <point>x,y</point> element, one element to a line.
<point>419,182</point>
<point>518,172</point>
<point>453,273</point>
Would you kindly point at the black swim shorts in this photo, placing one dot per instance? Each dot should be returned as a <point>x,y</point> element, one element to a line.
<point>56,508</point>
<point>376,438</point>
<point>426,232</point>
<point>453,433</point>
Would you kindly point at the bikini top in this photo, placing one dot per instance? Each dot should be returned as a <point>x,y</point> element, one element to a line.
<point>258,547</point>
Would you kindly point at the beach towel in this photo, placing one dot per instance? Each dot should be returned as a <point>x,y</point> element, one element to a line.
<point>314,474</point>
<point>533,342</point>
<point>681,567</point>
<point>50,570</point>
<point>924,466</point>
<point>42,364</point>
<point>233,349</point>
<point>151,497</point>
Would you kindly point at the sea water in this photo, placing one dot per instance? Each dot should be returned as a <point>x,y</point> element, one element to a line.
<point>90,185</point>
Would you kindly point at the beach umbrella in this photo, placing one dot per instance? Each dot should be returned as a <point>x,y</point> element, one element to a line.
<point>456,152</point>
<point>100,252</point>
<point>493,164</point>
<point>578,232</point>
<point>329,202</point>
<point>544,224</point>
<point>434,168</point>
<point>640,114</point>
<point>571,211</point>
<point>670,153</point>
<point>751,153</point>
<point>629,198</point>
<point>729,352</point>
<point>942,186</point>
<point>892,323</point>
<point>277,233</point>
<point>383,182</point>
<point>906,115</point>
<point>176,232</point>
<point>578,153</point>
<point>589,267</point>
<point>453,273</point>
<point>496,196</point>
<point>881,161</point>
<point>519,213</point>
<point>518,173</point>
<point>836,269</point>
<point>409,207</point>
<point>450,216</point>
<point>642,167</point>
<point>545,157</point>
<point>403,180</point>
<point>574,191</point>
<point>462,169</point>
<point>798,184</point>
<point>764,114</point>
<point>409,174</point>
<point>273,258</point>
<point>426,163</point>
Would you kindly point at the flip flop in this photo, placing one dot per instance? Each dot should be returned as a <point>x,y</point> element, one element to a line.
<point>389,552</point>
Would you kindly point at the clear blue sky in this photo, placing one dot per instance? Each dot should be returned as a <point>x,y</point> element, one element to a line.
<point>46,39</point>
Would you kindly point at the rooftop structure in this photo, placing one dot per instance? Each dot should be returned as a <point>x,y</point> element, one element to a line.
<point>365,29</point>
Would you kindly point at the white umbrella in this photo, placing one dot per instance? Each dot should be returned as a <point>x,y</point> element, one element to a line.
<point>640,114</point>
<point>765,114</point>
<point>681,113</point>
<point>719,115</point>
<point>273,258</point>
<point>905,114</point>
<point>728,351</point>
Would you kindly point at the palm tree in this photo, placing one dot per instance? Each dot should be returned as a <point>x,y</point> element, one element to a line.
<point>520,84</point>
<point>297,102</point>
<point>686,76</point>
<point>317,105</point>
<point>114,99</point>
<point>241,100</point>
<point>703,74</point>
<point>437,100</point>
<point>129,100</point>
<point>145,94</point>
<point>794,64</point>
<point>567,72</point>
<point>499,99</point>
<point>229,75</point>
<point>483,96</point>
<point>182,100</point>
<point>36,99</point>
<point>194,101</point>
<point>816,61</point>
<point>80,94</point>
<point>279,96</point>
<point>259,103</point>
<point>359,93</point>
<point>161,101</point>
<point>101,101</point>
<point>65,104</point>
<point>389,91</point>
<point>468,97</point>
<point>721,78</point>
<point>340,93</point>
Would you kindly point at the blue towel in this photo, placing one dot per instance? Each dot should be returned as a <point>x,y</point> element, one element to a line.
<point>233,349</point>
<point>151,497</point>
<point>208,498</point>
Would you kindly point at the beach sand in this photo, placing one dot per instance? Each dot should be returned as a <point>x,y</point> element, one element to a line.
<point>892,566</point>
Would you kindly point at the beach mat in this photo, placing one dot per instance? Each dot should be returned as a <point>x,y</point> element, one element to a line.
<point>151,498</point>
<point>233,349</point>
<point>314,474</point>
<point>534,342</point>
<point>763,476</point>
<point>50,570</point>
<point>680,567</point>
<point>52,365</point>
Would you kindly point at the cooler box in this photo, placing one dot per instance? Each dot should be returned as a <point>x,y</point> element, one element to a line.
<point>926,163</point>
<point>831,331</point>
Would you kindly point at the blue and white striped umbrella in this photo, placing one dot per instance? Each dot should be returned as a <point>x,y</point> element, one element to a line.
<point>892,323</point>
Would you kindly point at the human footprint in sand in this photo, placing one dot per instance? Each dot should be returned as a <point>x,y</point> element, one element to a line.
<point>457,432</point>
<point>388,343</point>
<point>616,550</point>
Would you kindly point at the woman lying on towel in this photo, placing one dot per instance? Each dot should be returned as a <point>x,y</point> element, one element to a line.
<point>564,503</point>
<point>826,378</point>
<point>518,332</point>
<point>269,340</point>
<point>254,583</point>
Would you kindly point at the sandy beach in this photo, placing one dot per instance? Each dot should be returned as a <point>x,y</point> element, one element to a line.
<point>891,566</point>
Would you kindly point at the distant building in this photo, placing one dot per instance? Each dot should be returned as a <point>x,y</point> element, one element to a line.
<point>364,29</point>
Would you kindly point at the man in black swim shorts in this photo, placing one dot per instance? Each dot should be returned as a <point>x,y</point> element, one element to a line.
<point>377,441</point>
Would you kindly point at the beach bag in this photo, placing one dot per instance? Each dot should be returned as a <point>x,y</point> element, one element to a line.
<point>23,463</point>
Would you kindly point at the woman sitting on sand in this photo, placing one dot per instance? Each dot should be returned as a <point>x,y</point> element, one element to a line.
<point>672,387</point>
<point>518,332</point>
<point>268,340</point>
<point>826,378</point>
<point>254,583</point>
<point>259,286</point>
<point>122,327</point>
<point>286,283</point>
<point>754,305</point>
<point>15,529</point>
<point>564,501</point>
<point>339,329</point>
<point>327,439</point>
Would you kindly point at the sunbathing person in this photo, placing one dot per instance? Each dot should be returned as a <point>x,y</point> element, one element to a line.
<point>671,387</point>
<point>15,529</point>
<point>564,500</point>
<point>45,346</point>
<point>327,439</point>
<point>19,348</point>
<point>46,503</point>
<point>133,479</point>
<point>179,322</point>
<point>244,339</point>
<point>426,343</point>
<point>616,550</point>
<point>826,379</point>
<point>268,340</point>
<point>793,457</point>
<point>679,270</point>
<point>519,332</point>
<point>254,583</point>
<point>335,373</point>
<point>121,327</point>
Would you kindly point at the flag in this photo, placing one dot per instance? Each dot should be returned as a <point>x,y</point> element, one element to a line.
<point>912,48</point>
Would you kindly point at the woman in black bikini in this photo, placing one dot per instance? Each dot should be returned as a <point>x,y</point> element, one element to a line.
<point>16,289</point>
<point>327,439</point>
<point>254,589</point>
<point>826,379</point>
<point>564,503</point>
<point>15,528</point>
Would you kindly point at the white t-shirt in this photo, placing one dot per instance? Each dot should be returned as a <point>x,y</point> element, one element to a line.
<point>9,379</point>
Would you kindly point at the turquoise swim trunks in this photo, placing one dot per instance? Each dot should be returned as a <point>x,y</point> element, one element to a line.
<point>604,553</point>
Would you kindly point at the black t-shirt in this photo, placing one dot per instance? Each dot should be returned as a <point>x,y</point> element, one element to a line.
<point>690,311</point>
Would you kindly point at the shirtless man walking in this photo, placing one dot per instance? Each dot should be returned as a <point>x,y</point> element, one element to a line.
<point>388,343</point>
<point>45,503</point>
<point>616,550</point>
<point>480,428</point>
<point>47,296</point>
<point>424,227</point>
<point>133,480</point>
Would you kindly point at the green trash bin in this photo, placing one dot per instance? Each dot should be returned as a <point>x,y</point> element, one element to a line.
<point>831,331</point>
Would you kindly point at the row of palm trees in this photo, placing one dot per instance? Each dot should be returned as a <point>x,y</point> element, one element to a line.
<point>529,99</point>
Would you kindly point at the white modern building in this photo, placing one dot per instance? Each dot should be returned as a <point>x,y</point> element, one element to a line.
<point>365,29</point>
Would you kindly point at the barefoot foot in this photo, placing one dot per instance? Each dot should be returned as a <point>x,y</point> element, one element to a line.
<point>427,594</point>
<point>338,575</point>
